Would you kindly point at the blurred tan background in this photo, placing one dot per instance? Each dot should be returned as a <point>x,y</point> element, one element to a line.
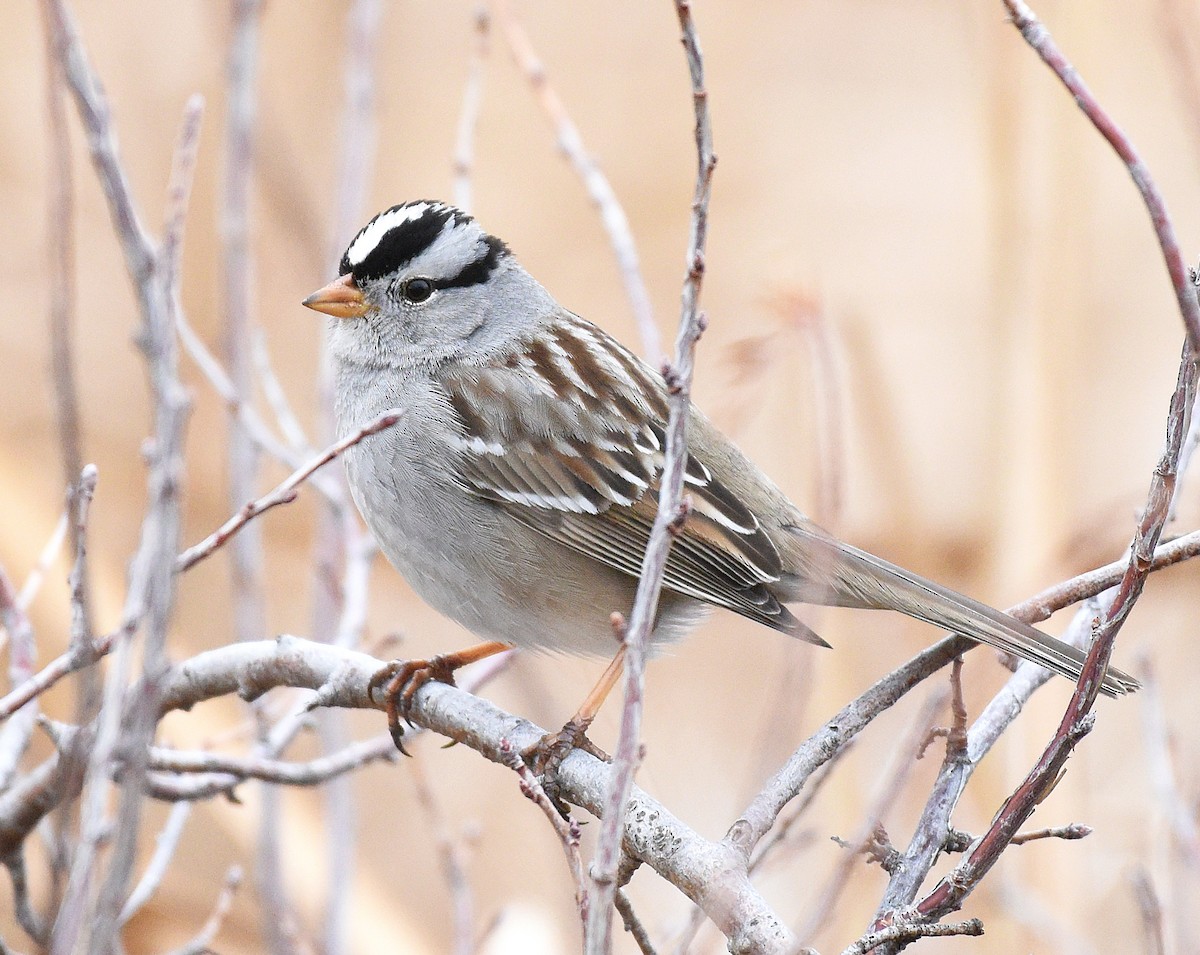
<point>1005,343</point>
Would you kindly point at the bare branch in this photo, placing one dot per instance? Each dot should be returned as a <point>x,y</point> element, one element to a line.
<point>1078,719</point>
<point>22,654</point>
<point>708,873</point>
<point>311,773</point>
<point>904,934</point>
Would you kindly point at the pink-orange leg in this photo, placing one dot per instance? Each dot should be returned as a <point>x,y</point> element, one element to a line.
<point>547,754</point>
<point>401,679</point>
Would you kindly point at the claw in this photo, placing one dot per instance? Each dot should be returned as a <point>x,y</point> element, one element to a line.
<point>401,679</point>
<point>545,757</point>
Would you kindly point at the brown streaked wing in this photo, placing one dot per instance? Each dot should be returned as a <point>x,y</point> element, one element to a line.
<point>568,435</point>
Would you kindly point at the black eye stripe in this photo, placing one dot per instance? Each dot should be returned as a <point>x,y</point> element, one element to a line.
<point>478,271</point>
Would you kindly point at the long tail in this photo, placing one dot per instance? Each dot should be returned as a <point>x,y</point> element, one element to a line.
<point>840,575</point>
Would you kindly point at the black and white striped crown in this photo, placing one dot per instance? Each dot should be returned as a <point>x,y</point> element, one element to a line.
<point>462,253</point>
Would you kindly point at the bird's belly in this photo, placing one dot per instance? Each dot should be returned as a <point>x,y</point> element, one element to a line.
<point>495,576</point>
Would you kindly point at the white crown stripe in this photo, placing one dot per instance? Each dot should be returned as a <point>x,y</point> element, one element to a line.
<point>365,242</point>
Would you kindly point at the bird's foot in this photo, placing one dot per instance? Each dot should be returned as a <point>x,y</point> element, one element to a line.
<point>545,757</point>
<point>400,680</point>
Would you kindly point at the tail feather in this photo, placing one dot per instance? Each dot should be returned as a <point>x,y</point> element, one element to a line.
<point>840,575</point>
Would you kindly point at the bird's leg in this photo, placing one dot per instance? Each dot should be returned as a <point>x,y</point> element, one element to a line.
<point>401,679</point>
<point>547,754</point>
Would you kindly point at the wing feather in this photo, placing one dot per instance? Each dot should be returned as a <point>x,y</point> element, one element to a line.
<point>569,434</point>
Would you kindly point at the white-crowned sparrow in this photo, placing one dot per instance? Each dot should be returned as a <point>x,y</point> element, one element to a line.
<point>517,493</point>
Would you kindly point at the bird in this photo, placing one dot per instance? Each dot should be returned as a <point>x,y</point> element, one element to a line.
<point>517,491</point>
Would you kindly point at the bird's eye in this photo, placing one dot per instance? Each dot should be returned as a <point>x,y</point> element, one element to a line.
<point>417,290</point>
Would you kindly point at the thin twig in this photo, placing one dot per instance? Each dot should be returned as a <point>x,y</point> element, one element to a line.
<point>22,654</point>
<point>238,276</point>
<point>284,493</point>
<point>1038,37</point>
<point>1078,719</point>
<point>566,830</point>
<point>61,245</point>
<point>49,553</point>
<point>468,118</point>
<point>633,925</point>
<point>1150,909</point>
<point>314,772</point>
<point>285,415</point>
<point>671,511</point>
<point>1075,830</point>
<point>452,855</point>
<point>599,189</point>
<point>166,843</point>
<point>200,945</point>
<point>80,507</point>
<point>904,934</point>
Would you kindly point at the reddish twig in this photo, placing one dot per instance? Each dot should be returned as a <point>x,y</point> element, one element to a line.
<point>1038,37</point>
<point>1078,719</point>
